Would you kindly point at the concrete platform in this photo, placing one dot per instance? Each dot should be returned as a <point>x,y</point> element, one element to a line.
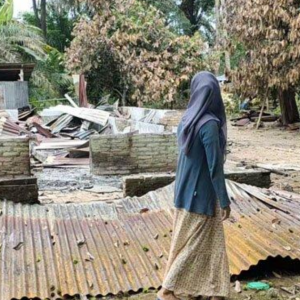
<point>140,184</point>
<point>19,190</point>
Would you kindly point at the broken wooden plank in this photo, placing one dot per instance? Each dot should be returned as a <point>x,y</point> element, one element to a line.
<point>79,153</point>
<point>71,101</point>
<point>279,167</point>
<point>59,144</point>
<point>53,161</point>
<point>43,131</point>
<point>265,118</point>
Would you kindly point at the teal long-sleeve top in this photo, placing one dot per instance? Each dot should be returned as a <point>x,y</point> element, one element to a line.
<point>200,179</point>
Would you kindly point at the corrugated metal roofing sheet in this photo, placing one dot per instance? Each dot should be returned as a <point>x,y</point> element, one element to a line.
<point>93,115</point>
<point>68,251</point>
<point>99,248</point>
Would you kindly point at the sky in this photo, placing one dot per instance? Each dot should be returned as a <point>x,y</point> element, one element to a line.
<point>21,6</point>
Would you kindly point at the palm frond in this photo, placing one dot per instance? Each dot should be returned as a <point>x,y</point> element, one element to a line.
<point>20,42</point>
<point>18,38</point>
<point>6,11</point>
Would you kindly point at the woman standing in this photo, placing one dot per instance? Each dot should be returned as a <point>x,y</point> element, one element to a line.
<point>198,264</point>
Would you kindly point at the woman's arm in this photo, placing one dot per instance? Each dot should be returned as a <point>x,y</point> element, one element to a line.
<point>209,134</point>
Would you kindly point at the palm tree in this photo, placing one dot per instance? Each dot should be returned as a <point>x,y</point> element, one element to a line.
<point>21,42</point>
<point>18,41</point>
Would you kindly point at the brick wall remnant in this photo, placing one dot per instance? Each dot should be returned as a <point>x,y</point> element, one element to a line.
<point>166,117</point>
<point>140,184</point>
<point>172,118</point>
<point>19,190</point>
<point>14,157</point>
<point>131,154</point>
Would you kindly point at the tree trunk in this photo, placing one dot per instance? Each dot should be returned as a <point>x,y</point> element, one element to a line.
<point>40,14</point>
<point>36,13</point>
<point>227,62</point>
<point>288,106</point>
<point>124,96</point>
<point>222,14</point>
<point>44,18</point>
<point>217,17</point>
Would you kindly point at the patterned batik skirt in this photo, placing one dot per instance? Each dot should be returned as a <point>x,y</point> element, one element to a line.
<point>198,263</point>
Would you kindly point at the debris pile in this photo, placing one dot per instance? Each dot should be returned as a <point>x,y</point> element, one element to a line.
<point>248,117</point>
<point>60,135</point>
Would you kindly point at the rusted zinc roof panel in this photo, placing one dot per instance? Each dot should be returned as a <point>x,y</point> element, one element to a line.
<point>99,248</point>
<point>52,255</point>
<point>263,225</point>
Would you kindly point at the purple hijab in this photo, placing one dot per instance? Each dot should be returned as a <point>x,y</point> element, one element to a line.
<point>205,104</point>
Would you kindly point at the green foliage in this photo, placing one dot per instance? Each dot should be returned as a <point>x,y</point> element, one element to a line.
<point>237,55</point>
<point>188,16</point>
<point>59,25</point>
<point>199,12</point>
<point>105,79</point>
<point>20,42</point>
<point>23,42</point>
<point>6,11</point>
<point>175,18</point>
<point>50,80</point>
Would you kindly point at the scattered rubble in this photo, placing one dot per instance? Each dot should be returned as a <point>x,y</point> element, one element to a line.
<point>60,135</point>
<point>250,117</point>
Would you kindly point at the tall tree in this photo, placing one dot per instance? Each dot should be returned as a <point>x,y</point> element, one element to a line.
<point>60,23</point>
<point>153,63</point>
<point>188,16</point>
<point>269,30</point>
<point>56,18</point>
<point>40,12</point>
<point>198,12</point>
<point>221,33</point>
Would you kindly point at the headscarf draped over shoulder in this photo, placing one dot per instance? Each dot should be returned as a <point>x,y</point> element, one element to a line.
<point>205,104</point>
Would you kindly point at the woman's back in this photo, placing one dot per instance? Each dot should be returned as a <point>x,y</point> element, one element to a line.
<point>200,176</point>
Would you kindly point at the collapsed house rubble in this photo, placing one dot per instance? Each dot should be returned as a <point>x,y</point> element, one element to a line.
<point>108,240</point>
<point>60,135</point>
<point>109,140</point>
<point>98,249</point>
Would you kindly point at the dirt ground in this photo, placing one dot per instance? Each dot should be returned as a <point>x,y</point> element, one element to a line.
<point>267,146</point>
<point>249,146</point>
